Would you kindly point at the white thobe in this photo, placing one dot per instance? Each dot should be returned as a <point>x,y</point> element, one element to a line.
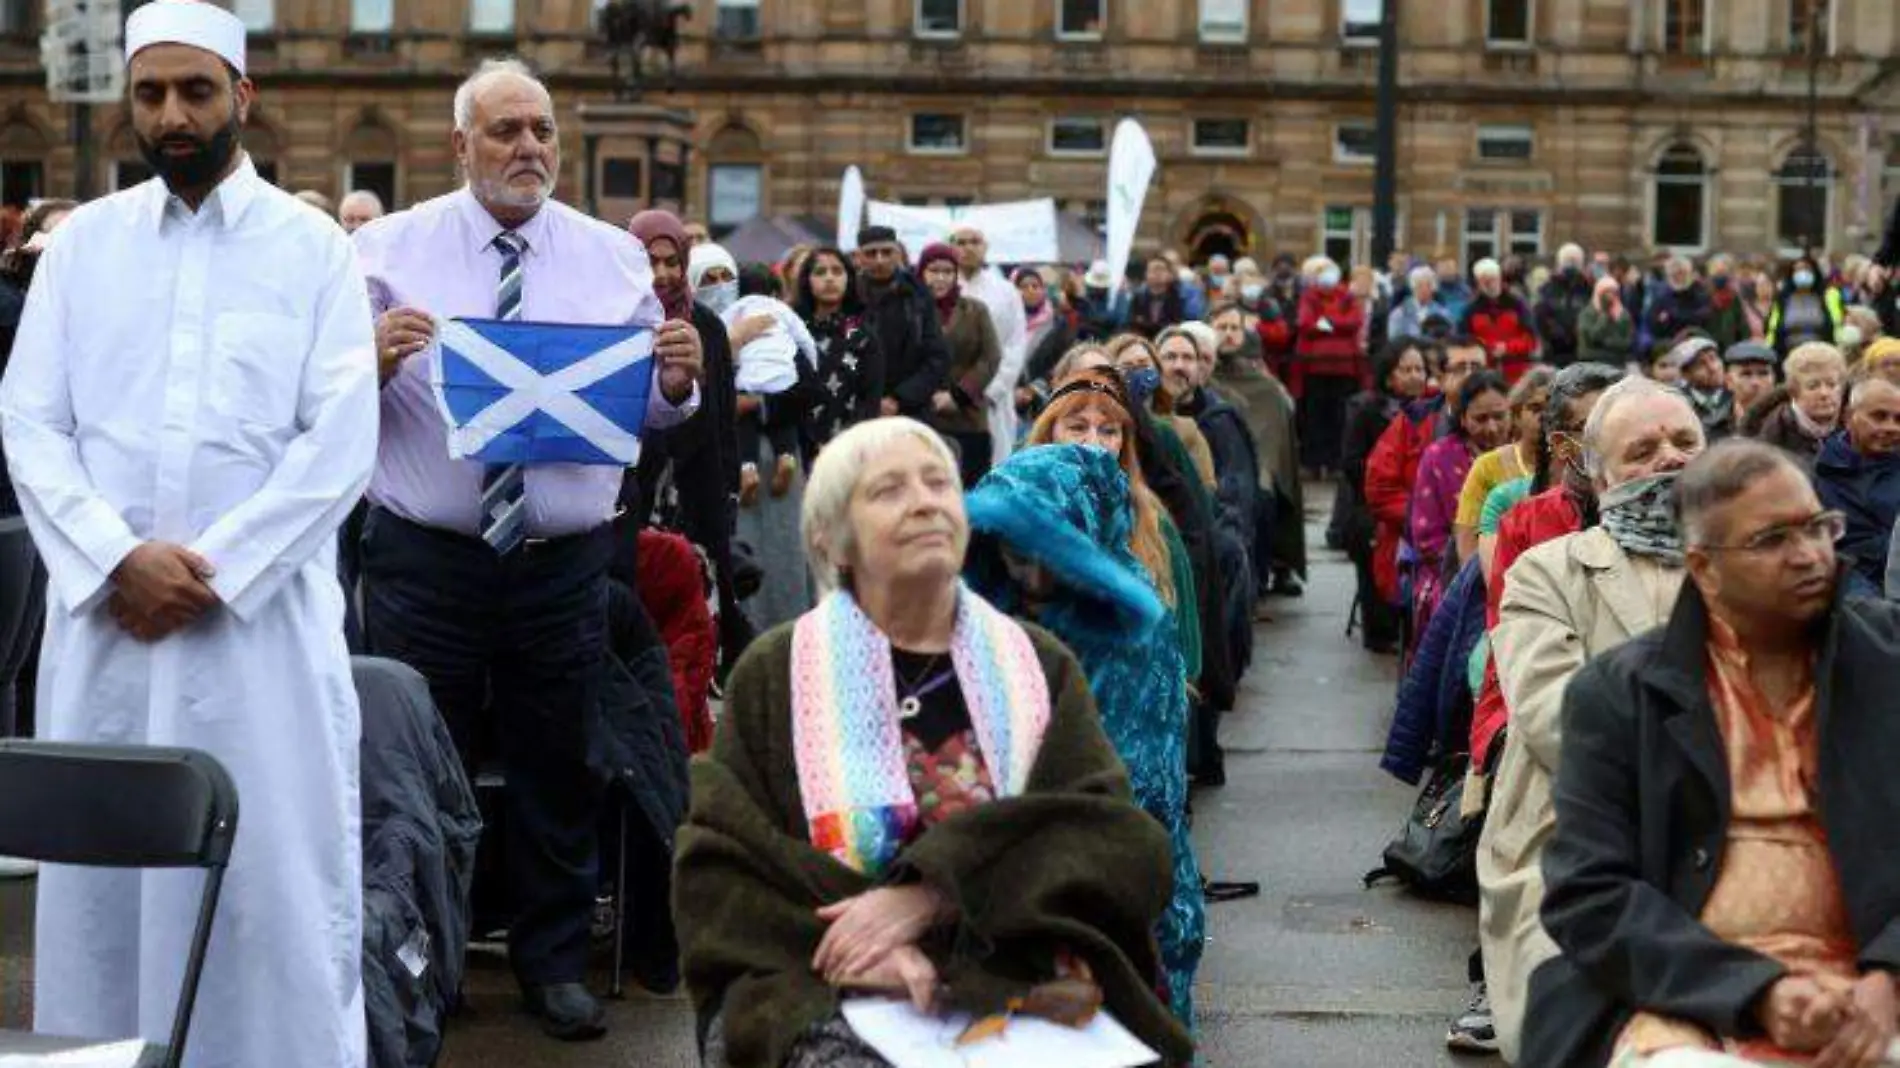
<point>1012,333</point>
<point>206,379</point>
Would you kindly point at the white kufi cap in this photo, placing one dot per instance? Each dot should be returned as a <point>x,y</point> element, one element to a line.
<point>186,22</point>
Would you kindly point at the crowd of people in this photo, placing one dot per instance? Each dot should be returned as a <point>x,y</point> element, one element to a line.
<point>969,557</point>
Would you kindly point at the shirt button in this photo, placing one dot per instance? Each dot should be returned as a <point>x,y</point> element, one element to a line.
<point>1702,859</point>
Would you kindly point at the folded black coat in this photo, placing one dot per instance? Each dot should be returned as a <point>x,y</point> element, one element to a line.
<point>420,829</point>
<point>1642,799</point>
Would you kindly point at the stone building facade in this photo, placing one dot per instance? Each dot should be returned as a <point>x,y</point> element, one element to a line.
<point>1624,124</point>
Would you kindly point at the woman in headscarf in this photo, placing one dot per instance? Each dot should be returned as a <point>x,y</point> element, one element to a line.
<point>843,393</point>
<point>909,793</point>
<point>1051,331</point>
<point>1064,537</point>
<point>1242,376</point>
<point>959,409</point>
<point>688,476</point>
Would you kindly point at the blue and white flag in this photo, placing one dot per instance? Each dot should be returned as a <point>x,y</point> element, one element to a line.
<point>541,393</point>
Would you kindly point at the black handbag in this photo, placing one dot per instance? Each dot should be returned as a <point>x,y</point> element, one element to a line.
<point>1436,852</point>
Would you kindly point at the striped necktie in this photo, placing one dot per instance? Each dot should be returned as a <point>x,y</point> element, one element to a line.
<point>505,486</point>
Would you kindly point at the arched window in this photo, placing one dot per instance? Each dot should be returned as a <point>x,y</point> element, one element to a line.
<point>1680,216</point>
<point>23,152</point>
<point>735,180</point>
<point>369,162</point>
<point>1804,186</point>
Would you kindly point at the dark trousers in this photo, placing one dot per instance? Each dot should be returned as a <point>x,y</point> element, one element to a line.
<point>974,452</point>
<point>513,648</point>
<point>22,614</point>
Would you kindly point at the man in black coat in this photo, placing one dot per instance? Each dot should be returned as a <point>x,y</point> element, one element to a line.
<point>1723,875</point>
<point>915,358</point>
<point>1560,303</point>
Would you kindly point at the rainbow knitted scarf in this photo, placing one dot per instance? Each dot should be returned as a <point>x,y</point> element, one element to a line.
<point>852,774</point>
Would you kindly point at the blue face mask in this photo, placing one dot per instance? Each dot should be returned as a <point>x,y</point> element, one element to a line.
<point>1804,279</point>
<point>1142,385</point>
<point>719,296</point>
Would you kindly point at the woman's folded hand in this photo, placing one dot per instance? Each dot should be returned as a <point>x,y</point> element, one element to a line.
<point>867,928</point>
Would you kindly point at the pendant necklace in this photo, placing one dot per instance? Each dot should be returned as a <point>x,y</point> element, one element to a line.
<point>915,690</point>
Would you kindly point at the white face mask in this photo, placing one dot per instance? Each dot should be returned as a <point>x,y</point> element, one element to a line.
<point>719,296</point>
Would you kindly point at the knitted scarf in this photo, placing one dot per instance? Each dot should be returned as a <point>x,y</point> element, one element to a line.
<point>1639,516</point>
<point>852,774</point>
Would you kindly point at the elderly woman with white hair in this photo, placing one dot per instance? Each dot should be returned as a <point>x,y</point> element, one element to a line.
<point>1499,320</point>
<point>1421,303</point>
<point>910,794</point>
<point>1329,362</point>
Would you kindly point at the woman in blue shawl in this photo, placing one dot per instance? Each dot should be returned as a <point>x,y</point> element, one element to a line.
<point>1054,536</point>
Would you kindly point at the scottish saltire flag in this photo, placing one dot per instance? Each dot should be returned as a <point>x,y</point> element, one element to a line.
<point>540,393</point>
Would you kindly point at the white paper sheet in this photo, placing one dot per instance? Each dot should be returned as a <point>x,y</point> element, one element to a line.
<point>909,1039</point>
<point>113,1055</point>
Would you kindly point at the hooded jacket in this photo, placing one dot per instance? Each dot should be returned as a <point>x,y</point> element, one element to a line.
<point>1068,509</point>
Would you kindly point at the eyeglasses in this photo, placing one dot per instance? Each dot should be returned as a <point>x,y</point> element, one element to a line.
<point>1825,528</point>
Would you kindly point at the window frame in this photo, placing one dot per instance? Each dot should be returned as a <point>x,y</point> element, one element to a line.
<point>1341,157</point>
<point>1049,137</point>
<point>911,146</point>
<point>360,28</point>
<point>1780,185</point>
<point>1508,44</point>
<point>391,196</point>
<point>1830,26</point>
<point>917,22</point>
<point>1493,131</point>
<point>719,34</point>
<point>268,24</point>
<point>1704,184</point>
<point>1511,237</point>
<point>1346,22</point>
<point>1224,38</point>
<point>715,224</point>
<point>1101,19</point>
<point>514,21</point>
<point>1707,44</point>
<point>1195,147</point>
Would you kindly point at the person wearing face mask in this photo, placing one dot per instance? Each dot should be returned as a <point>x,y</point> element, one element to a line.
<point>1605,329</point>
<point>773,352</point>
<point>1266,316</point>
<point>1560,303</point>
<point>1565,602</point>
<point>959,408</point>
<point>1329,365</point>
<point>1154,394</point>
<point>1807,309</point>
<point>1500,321</point>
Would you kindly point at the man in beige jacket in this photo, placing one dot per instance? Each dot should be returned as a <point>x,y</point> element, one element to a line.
<point>1564,602</point>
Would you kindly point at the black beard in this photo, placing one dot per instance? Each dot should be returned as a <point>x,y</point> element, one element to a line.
<point>202,166</point>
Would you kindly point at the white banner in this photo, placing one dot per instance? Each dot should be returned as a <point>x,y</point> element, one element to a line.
<point>1021,231</point>
<point>1131,166</point>
<point>850,209</point>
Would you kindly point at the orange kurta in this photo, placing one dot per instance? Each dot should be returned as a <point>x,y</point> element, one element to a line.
<point>1778,892</point>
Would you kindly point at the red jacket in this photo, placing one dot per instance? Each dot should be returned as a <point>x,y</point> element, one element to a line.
<point>674,590</point>
<point>1503,321</point>
<point>1391,472</point>
<point>1536,520</point>
<point>1334,353</point>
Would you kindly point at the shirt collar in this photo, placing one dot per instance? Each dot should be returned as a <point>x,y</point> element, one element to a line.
<point>225,205</point>
<point>483,229</point>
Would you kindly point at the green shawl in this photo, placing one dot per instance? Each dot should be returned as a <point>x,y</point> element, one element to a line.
<point>1072,862</point>
<point>1268,410</point>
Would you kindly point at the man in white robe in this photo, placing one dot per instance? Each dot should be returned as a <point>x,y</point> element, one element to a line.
<point>1005,305</point>
<point>189,413</point>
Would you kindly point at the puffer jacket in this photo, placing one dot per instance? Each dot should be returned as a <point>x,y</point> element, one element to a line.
<point>1435,703</point>
<point>1867,489</point>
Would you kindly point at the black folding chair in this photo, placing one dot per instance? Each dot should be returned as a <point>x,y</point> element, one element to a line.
<point>118,806</point>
